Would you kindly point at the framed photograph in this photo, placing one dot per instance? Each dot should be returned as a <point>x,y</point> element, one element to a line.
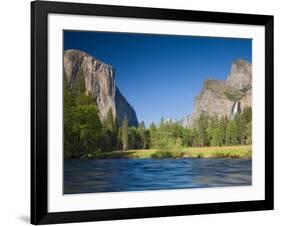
<point>145,112</point>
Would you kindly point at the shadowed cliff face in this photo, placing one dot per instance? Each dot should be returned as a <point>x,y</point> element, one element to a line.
<point>222,98</point>
<point>99,80</point>
<point>124,109</point>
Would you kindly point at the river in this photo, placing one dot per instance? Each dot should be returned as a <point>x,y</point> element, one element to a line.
<point>115,175</point>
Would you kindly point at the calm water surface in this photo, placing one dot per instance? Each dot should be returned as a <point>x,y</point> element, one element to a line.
<point>113,175</point>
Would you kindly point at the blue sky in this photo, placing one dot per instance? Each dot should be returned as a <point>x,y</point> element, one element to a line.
<point>160,75</point>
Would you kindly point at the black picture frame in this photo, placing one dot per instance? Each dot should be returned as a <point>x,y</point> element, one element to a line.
<point>39,112</point>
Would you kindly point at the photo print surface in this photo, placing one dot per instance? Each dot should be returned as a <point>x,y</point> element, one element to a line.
<point>155,112</point>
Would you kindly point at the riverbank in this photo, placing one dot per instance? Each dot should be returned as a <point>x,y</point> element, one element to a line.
<point>244,151</point>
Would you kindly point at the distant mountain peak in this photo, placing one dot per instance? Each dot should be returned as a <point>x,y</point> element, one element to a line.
<point>224,97</point>
<point>240,74</point>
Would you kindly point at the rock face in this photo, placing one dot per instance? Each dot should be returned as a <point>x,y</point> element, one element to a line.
<point>124,109</point>
<point>99,81</point>
<point>225,98</point>
<point>240,75</point>
<point>185,121</point>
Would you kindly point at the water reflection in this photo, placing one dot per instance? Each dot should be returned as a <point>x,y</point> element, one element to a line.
<point>113,175</point>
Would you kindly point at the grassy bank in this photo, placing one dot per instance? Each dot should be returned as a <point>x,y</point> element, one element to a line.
<point>220,152</point>
<point>192,152</point>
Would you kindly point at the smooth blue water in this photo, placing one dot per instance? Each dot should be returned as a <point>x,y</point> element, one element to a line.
<point>113,175</point>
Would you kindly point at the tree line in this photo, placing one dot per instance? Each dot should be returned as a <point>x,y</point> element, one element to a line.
<point>85,134</point>
<point>224,131</point>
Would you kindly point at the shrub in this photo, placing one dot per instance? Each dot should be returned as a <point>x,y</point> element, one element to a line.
<point>166,153</point>
<point>234,96</point>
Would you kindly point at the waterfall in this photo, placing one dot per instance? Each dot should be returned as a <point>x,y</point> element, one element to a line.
<point>235,108</point>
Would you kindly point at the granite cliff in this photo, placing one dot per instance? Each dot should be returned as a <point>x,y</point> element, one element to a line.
<point>99,81</point>
<point>224,98</point>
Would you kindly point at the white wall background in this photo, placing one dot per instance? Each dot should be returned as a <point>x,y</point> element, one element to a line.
<point>15,113</point>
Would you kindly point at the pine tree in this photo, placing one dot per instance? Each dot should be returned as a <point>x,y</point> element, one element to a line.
<point>212,125</point>
<point>147,139</point>
<point>241,127</point>
<point>249,133</point>
<point>195,136</point>
<point>231,133</point>
<point>89,127</point>
<point>142,133</point>
<point>134,140</point>
<point>79,86</point>
<point>153,135</point>
<point>110,122</point>
<point>222,125</point>
<point>125,134</point>
<point>119,139</point>
<point>247,114</point>
<point>202,125</point>
<point>217,137</point>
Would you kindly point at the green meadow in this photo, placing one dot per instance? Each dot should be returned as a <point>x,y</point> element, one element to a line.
<point>241,151</point>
